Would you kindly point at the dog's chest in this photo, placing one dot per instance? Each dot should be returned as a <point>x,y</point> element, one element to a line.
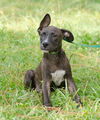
<point>58,77</point>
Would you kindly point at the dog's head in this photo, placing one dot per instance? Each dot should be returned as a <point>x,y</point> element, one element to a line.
<point>51,37</point>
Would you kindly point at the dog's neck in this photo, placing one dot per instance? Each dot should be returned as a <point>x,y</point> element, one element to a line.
<point>53,55</point>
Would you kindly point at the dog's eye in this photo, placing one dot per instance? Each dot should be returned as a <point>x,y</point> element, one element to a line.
<point>53,34</point>
<point>44,33</point>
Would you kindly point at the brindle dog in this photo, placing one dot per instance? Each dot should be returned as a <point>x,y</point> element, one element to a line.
<point>54,69</point>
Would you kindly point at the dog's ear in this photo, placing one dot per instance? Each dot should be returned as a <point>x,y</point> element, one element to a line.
<point>67,35</point>
<point>45,22</point>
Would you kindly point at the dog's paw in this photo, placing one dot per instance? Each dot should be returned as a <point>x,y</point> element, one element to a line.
<point>47,105</point>
<point>80,105</point>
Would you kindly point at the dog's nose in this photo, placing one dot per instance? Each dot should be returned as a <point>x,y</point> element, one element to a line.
<point>45,44</point>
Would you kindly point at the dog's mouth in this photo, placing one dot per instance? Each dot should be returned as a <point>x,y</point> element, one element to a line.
<point>45,50</point>
<point>48,49</point>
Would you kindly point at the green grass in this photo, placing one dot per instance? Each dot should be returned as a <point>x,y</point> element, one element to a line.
<point>19,51</point>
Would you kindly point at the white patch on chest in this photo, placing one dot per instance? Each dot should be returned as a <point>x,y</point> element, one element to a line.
<point>58,77</point>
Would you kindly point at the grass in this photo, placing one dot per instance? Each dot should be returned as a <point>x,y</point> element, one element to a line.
<point>19,51</point>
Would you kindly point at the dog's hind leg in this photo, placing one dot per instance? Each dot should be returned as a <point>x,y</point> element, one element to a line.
<point>29,80</point>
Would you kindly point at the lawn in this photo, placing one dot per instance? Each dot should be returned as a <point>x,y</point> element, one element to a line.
<point>20,51</point>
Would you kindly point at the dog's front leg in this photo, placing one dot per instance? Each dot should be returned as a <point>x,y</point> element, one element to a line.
<point>46,93</point>
<point>73,90</point>
<point>46,87</point>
